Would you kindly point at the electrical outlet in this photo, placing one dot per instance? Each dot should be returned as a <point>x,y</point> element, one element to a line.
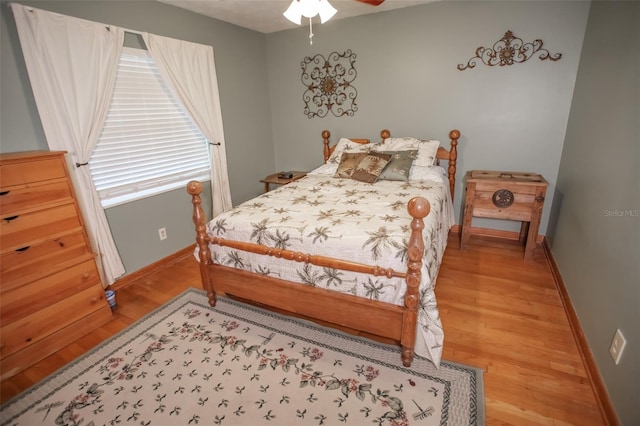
<point>163,233</point>
<point>617,346</point>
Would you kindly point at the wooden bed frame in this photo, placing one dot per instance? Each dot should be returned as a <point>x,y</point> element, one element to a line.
<point>371,316</point>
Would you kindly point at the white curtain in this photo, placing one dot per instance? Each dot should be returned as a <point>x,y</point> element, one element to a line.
<point>189,70</point>
<point>72,66</point>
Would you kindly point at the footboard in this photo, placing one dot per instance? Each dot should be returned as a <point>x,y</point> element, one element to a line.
<point>383,319</point>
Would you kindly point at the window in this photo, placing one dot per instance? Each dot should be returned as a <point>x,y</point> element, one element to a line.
<point>148,144</point>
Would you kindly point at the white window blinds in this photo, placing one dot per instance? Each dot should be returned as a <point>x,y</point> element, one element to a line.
<point>148,144</point>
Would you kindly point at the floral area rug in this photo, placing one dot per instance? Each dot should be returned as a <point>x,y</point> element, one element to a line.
<point>187,364</point>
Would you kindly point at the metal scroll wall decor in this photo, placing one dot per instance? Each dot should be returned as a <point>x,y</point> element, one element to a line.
<point>509,50</point>
<point>329,84</point>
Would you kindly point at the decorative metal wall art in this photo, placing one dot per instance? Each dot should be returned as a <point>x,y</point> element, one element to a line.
<point>329,85</point>
<point>509,50</point>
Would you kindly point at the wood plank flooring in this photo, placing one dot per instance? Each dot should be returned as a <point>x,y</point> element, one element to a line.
<point>499,312</point>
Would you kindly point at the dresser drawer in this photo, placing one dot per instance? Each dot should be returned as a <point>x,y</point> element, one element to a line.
<point>36,170</point>
<point>21,301</point>
<point>12,364</point>
<point>19,199</point>
<point>19,267</point>
<point>30,329</point>
<point>21,231</point>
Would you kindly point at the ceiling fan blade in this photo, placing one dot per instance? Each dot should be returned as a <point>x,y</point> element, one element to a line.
<point>372,2</point>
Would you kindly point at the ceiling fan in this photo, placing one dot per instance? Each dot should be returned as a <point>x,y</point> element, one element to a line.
<point>310,8</point>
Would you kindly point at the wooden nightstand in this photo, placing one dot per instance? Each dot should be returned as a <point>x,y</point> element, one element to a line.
<point>274,179</point>
<point>505,195</point>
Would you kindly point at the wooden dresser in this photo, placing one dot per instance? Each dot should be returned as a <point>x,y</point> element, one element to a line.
<point>50,288</point>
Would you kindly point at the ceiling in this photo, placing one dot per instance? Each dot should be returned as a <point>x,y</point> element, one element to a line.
<point>265,16</point>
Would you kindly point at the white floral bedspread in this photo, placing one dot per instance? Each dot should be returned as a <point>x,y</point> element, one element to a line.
<point>350,220</point>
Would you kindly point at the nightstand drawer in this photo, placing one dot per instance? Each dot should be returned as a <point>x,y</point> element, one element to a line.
<point>492,187</point>
<point>519,210</point>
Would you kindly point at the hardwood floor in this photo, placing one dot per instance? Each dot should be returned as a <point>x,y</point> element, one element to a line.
<point>505,315</point>
<point>499,312</point>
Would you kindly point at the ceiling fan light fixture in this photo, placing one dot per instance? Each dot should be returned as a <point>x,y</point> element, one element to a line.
<point>309,8</point>
<point>294,12</point>
<point>326,11</point>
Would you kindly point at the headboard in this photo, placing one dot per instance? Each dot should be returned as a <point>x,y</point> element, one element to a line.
<point>328,150</point>
<point>450,155</point>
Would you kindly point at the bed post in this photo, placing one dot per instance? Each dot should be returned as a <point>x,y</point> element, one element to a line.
<point>194,189</point>
<point>325,139</point>
<point>453,157</point>
<point>418,208</point>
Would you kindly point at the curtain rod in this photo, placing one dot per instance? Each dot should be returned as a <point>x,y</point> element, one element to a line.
<point>127,30</point>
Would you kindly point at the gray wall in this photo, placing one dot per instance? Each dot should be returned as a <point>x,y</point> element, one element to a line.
<point>240,63</point>
<point>511,118</point>
<point>596,242</point>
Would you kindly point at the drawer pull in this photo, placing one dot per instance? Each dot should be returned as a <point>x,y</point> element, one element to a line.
<point>4,193</point>
<point>10,218</point>
<point>21,249</point>
<point>502,198</point>
<point>94,299</point>
<point>86,276</point>
<point>539,198</point>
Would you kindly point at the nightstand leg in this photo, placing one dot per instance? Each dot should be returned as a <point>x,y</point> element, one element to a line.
<point>266,187</point>
<point>536,214</point>
<point>531,243</point>
<point>524,230</point>
<point>465,233</point>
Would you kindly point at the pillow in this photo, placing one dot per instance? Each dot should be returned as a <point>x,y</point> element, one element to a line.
<point>348,163</point>
<point>399,165</point>
<point>347,145</point>
<point>325,169</point>
<point>435,173</point>
<point>427,149</point>
<point>370,167</point>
